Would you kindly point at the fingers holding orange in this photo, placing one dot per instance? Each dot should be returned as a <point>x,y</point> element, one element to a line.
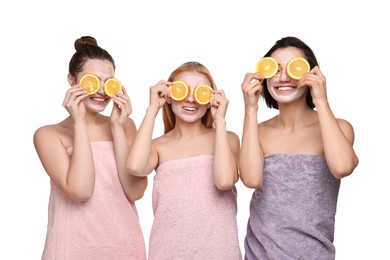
<point>218,98</point>
<point>74,94</point>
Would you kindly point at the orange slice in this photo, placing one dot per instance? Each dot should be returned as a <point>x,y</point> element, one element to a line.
<point>179,90</point>
<point>297,67</point>
<point>112,86</point>
<point>267,67</point>
<point>203,94</point>
<point>90,83</point>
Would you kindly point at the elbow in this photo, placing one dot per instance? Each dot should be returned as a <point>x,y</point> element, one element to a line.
<point>80,192</point>
<point>224,185</point>
<point>252,177</point>
<point>136,196</point>
<point>139,189</point>
<point>252,183</point>
<point>345,170</point>
<point>81,196</point>
<point>132,169</point>
<point>227,182</point>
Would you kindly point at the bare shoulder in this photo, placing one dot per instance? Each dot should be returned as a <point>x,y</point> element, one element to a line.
<point>269,123</point>
<point>160,142</point>
<point>347,129</point>
<point>344,123</point>
<point>130,123</point>
<point>163,149</point>
<point>45,131</point>
<point>130,128</point>
<point>53,135</point>
<point>233,137</point>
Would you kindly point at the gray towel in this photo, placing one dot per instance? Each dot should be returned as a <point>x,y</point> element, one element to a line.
<point>292,215</point>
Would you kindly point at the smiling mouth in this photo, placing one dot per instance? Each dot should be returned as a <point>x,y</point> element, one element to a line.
<point>190,108</point>
<point>99,99</point>
<point>285,88</point>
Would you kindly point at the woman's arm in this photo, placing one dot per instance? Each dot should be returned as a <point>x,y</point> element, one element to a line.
<point>227,145</point>
<point>73,174</point>
<point>143,157</point>
<point>251,159</point>
<point>337,135</point>
<point>123,131</point>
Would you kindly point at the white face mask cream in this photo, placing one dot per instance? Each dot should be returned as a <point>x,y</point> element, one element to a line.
<point>286,94</point>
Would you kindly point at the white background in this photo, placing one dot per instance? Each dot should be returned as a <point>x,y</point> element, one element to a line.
<point>149,39</point>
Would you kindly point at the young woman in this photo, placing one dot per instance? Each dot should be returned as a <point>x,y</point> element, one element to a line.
<point>195,160</point>
<point>294,161</point>
<point>92,214</point>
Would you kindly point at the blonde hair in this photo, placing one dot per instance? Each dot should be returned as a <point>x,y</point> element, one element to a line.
<point>167,112</point>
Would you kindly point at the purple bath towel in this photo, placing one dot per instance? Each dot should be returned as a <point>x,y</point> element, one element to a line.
<point>292,215</point>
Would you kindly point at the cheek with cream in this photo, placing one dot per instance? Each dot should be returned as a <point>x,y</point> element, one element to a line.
<point>188,112</point>
<point>285,94</point>
<point>97,104</point>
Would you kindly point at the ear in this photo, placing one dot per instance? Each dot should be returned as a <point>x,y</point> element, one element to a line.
<point>71,80</point>
<point>169,100</point>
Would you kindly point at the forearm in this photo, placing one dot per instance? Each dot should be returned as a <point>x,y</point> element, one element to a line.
<point>140,150</point>
<point>225,162</point>
<point>251,159</point>
<point>337,141</point>
<point>80,179</point>
<point>134,187</point>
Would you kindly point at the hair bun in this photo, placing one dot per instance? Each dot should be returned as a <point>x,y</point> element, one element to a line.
<point>85,41</point>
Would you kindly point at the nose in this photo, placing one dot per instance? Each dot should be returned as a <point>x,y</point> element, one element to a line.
<point>101,89</point>
<point>284,76</point>
<point>190,97</point>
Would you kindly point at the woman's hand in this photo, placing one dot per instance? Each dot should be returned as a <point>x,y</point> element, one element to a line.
<point>218,104</point>
<point>251,89</point>
<point>73,102</point>
<point>316,81</point>
<point>159,94</point>
<point>121,109</point>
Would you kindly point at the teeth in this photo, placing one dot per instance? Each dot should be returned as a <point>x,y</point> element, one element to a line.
<point>284,88</point>
<point>100,99</point>
<point>190,108</point>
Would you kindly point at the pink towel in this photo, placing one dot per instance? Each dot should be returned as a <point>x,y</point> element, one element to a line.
<point>192,218</point>
<point>105,227</point>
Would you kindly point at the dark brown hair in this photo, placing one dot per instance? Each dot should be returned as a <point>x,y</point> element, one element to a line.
<point>309,55</point>
<point>87,48</point>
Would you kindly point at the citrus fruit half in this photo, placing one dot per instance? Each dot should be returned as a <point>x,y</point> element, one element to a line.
<point>179,90</point>
<point>90,83</point>
<point>112,86</point>
<point>267,67</point>
<point>297,67</point>
<point>203,94</point>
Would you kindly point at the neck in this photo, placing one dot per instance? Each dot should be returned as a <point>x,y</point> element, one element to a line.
<point>294,115</point>
<point>188,130</point>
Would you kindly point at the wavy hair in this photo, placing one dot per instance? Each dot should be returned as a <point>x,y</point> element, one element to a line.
<point>169,117</point>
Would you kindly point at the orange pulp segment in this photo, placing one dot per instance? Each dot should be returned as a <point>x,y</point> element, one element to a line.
<point>297,67</point>
<point>90,83</point>
<point>267,67</point>
<point>112,86</point>
<point>203,94</point>
<point>179,90</point>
